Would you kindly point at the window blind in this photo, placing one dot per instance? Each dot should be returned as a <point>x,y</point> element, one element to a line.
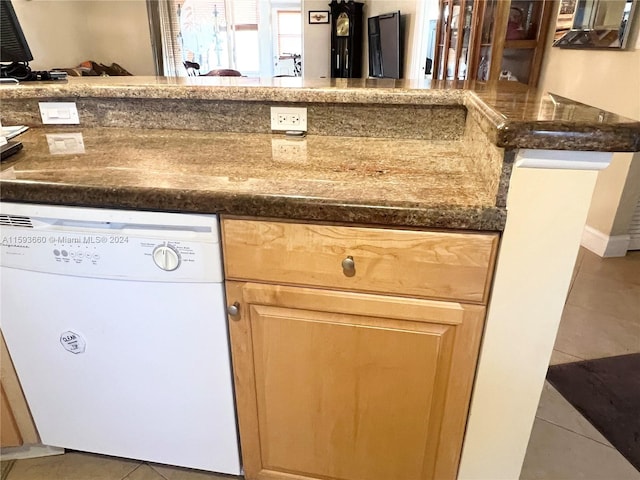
<point>245,12</point>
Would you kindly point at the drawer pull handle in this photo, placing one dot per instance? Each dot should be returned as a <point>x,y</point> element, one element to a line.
<point>349,266</point>
<point>234,309</point>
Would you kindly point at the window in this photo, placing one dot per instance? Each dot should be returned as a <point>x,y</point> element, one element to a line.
<point>247,43</point>
<point>219,34</point>
<point>289,32</point>
<point>212,33</point>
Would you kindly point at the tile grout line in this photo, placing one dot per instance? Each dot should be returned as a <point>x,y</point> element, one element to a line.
<point>156,471</point>
<point>580,359</point>
<point>579,434</point>
<point>601,313</point>
<point>6,469</point>
<point>134,469</point>
<point>579,261</point>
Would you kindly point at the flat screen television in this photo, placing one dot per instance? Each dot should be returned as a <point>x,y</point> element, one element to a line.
<point>386,45</point>
<point>13,44</point>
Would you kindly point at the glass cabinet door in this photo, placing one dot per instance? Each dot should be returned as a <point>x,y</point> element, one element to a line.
<point>443,37</point>
<point>454,39</point>
<point>523,21</point>
<point>491,40</point>
<point>488,15</point>
<point>526,29</point>
<point>511,40</point>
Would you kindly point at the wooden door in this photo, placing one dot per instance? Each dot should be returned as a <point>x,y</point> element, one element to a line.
<point>351,386</point>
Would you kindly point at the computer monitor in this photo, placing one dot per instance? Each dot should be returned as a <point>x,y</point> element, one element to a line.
<point>13,44</point>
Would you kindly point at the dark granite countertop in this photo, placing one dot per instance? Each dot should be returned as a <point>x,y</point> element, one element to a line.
<point>402,182</point>
<point>385,152</point>
<point>515,117</point>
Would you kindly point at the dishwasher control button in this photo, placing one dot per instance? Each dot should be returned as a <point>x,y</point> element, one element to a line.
<point>56,252</point>
<point>65,253</point>
<point>166,257</point>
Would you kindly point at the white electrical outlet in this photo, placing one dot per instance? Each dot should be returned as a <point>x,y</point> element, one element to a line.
<point>59,113</point>
<point>289,118</point>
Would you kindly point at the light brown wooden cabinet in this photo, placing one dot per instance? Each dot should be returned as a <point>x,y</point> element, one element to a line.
<point>9,433</point>
<point>16,427</point>
<point>344,383</point>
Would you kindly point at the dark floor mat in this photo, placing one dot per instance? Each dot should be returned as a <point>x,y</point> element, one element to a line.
<point>607,393</point>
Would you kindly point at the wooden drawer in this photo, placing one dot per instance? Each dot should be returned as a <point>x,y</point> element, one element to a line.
<point>453,266</point>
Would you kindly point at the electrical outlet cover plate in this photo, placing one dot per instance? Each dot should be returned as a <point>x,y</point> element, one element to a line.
<point>289,118</point>
<point>59,113</point>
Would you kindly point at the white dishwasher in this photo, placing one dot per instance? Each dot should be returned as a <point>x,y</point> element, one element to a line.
<point>116,324</point>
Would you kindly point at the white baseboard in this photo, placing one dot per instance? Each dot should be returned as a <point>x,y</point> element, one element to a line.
<point>605,245</point>
<point>29,451</point>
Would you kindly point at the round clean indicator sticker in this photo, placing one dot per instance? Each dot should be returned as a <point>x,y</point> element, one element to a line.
<point>72,342</point>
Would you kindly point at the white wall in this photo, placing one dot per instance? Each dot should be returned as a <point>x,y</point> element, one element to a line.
<point>64,33</point>
<point>316,48</point>
<point>606,79</point>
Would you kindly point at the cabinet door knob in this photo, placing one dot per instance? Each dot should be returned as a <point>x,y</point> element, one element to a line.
<point>234,309</point>
<point>349,266</point>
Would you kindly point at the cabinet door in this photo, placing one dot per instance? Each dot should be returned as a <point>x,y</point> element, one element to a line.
<point>338,385</point>
<point>513,40</point>
<point>454,35</point>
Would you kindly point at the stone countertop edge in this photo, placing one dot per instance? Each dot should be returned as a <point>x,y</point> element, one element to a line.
<point>511,115</point>
<point>402,215</point>
<point>585,135</point>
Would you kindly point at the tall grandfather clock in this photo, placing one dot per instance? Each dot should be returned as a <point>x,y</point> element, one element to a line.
<point>346,39</point>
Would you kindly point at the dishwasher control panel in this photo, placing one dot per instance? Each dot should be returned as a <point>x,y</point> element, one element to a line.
<point>113,255</point>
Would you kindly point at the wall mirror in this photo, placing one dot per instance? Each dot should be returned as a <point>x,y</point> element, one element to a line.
<point>594,23</point>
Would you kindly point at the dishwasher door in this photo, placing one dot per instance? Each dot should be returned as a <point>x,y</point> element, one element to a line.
<point>127,368</point>
<point>116,324</point>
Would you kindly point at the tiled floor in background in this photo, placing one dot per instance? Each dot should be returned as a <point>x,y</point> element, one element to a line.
<point>86,466</point>
<point>601,319</point>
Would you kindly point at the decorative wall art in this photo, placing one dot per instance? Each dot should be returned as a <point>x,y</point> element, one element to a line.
<point>318,16</point>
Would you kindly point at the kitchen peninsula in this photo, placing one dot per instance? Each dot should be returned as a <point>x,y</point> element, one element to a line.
<point>508,173</point>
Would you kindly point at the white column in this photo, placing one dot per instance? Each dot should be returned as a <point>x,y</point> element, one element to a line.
<point>547,208</point>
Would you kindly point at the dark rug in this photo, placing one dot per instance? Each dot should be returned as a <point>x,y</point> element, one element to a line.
<point>607,393</point>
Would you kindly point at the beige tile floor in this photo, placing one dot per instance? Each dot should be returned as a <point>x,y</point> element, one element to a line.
<point>86,466</point>
<point>601,318</point>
